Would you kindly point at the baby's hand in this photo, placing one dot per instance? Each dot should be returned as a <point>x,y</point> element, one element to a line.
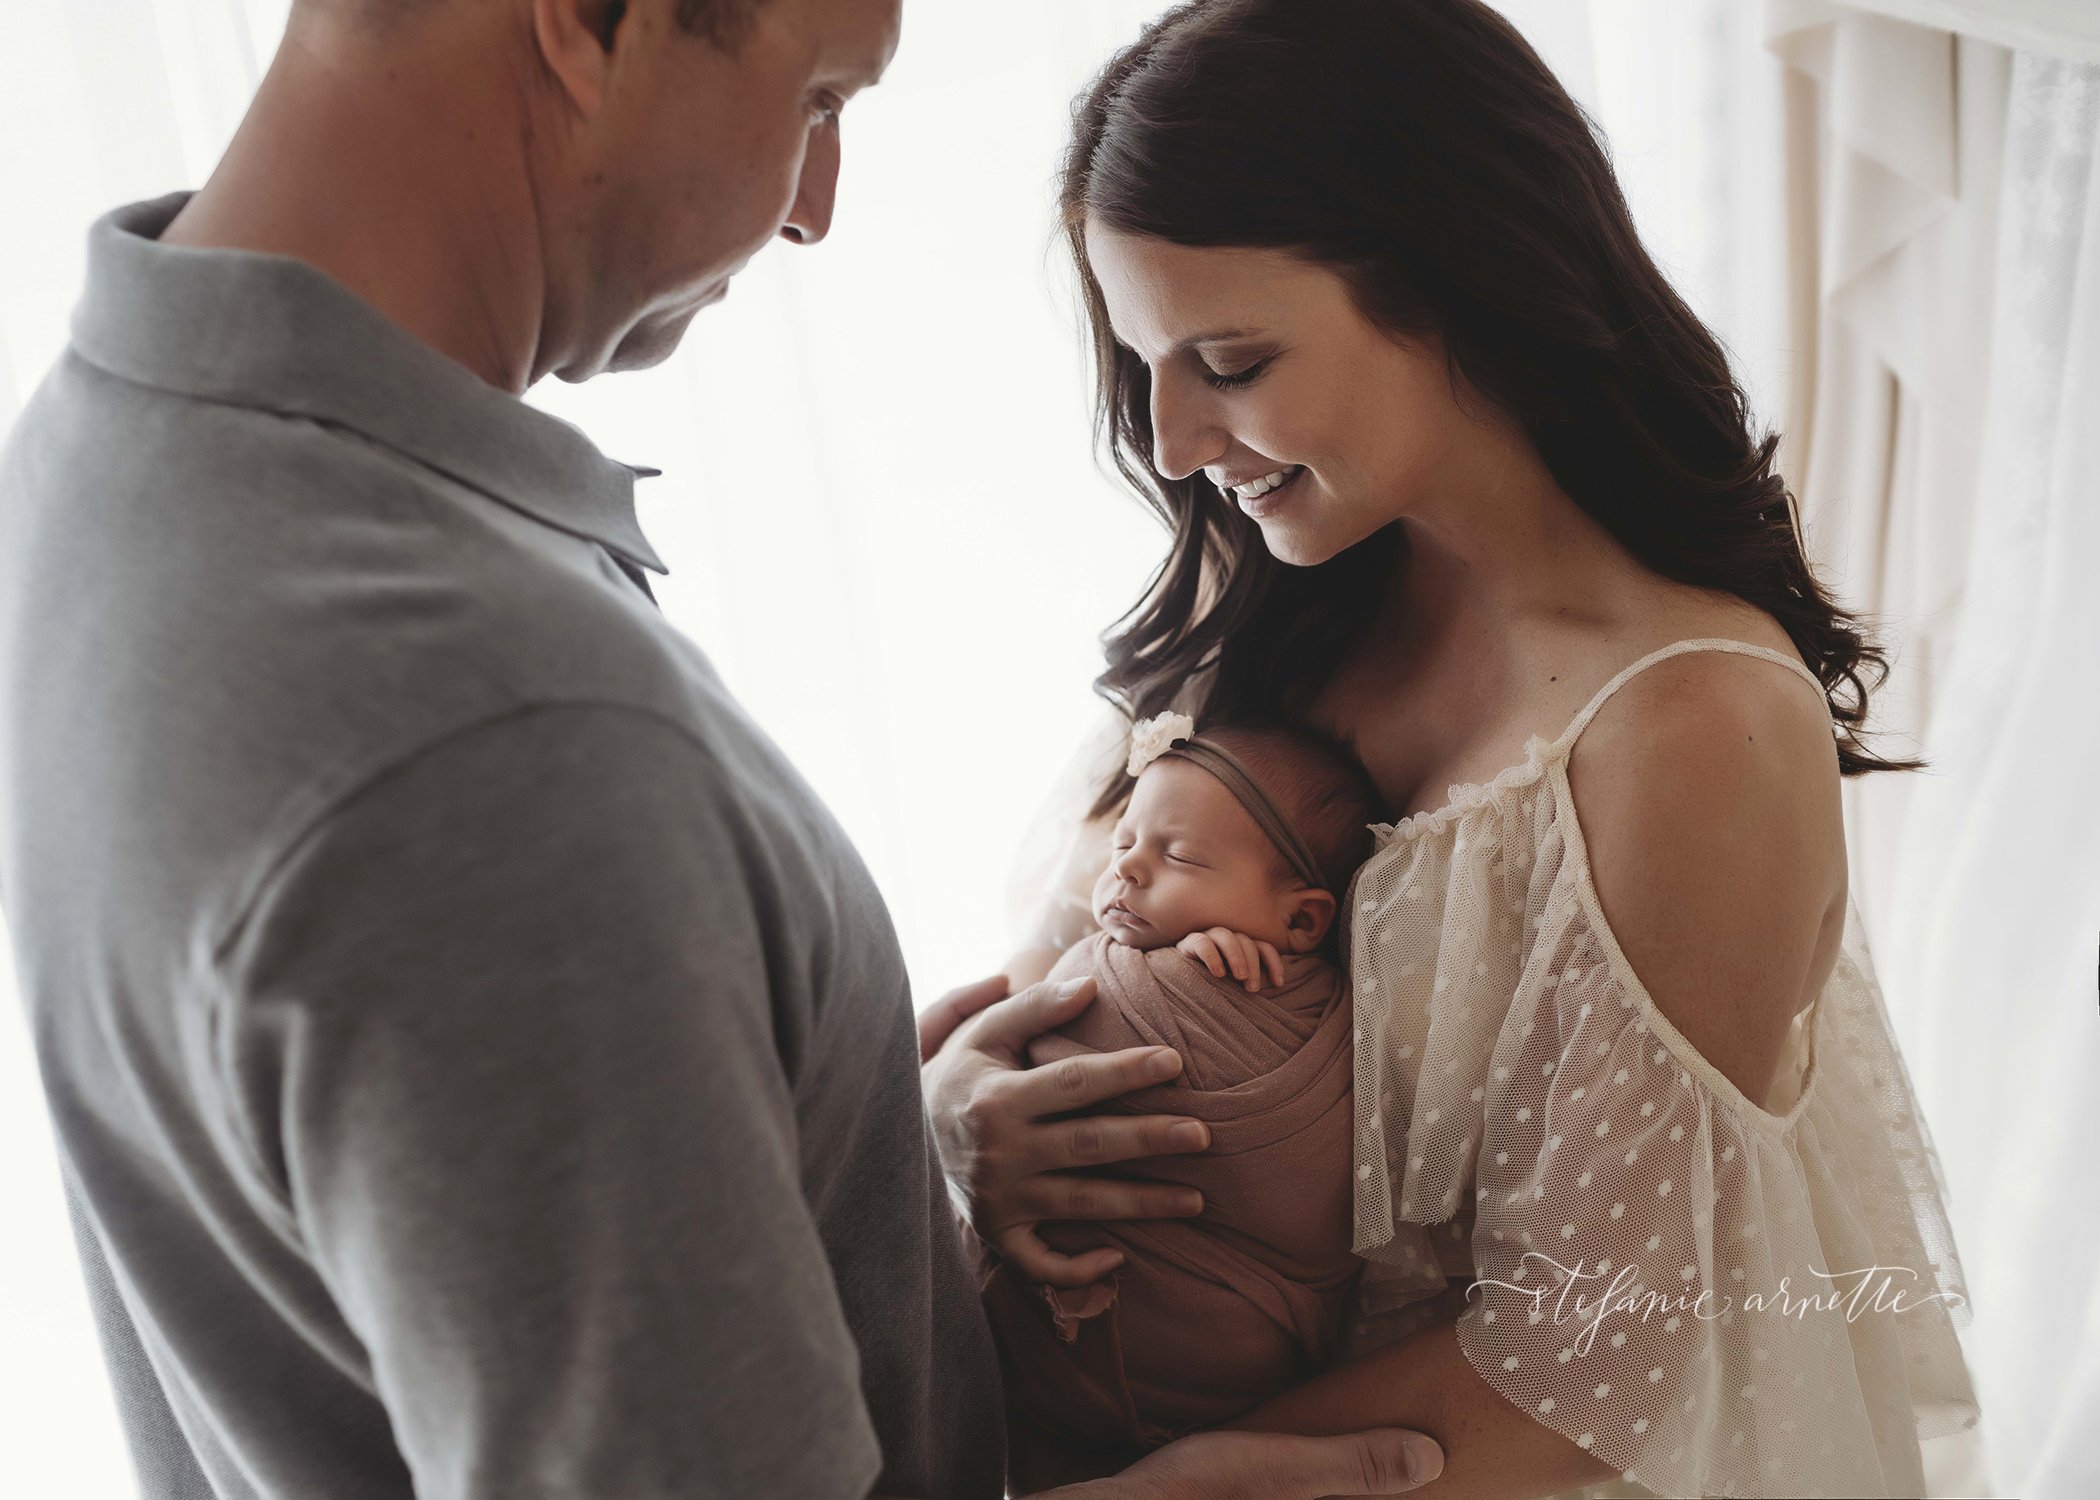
<point>1221,948</point>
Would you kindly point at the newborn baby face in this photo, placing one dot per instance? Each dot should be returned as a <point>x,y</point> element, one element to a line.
<point>1189,857</point>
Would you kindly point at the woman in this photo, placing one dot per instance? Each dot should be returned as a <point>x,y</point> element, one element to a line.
<point>1448,466</point>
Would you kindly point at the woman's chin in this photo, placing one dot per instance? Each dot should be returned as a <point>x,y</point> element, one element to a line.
<point>1296,546</point>
<point>1298,542</point>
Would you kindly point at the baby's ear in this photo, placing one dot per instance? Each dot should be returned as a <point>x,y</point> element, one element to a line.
<point>1311,914</point>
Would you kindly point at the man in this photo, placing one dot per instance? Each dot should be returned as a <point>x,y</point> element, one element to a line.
<point>481,1067</point>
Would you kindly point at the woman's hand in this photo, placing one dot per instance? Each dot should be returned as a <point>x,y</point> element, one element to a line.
<point>1221,948</point>
<point>1274,1466</point>
<point>1000,1145</point>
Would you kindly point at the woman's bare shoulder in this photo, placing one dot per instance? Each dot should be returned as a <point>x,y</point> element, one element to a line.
<point>1710,810</point>
<point>1702,708</point>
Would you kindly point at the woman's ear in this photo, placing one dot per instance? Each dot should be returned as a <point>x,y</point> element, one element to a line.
<point>1311,913</point>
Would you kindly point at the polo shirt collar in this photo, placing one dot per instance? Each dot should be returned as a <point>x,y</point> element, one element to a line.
<point>275,333</point>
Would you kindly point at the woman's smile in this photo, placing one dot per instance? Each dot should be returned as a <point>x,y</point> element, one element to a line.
<point>1267,494</point>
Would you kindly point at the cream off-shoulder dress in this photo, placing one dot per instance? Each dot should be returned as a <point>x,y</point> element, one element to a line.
<point>1714,1295</point>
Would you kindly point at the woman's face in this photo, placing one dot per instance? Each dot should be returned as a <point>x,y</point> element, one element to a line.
<point>1263,367</point>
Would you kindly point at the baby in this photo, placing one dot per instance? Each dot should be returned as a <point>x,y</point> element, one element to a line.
<point>1219,932</point>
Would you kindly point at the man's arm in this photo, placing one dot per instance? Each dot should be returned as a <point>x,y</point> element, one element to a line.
<point>501,1032</point>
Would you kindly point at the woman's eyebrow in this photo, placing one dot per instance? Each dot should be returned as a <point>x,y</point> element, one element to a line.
<point>1195,341</point>
<point>1217,336</point>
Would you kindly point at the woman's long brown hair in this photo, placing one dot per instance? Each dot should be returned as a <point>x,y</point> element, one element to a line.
<point>1422,151</point>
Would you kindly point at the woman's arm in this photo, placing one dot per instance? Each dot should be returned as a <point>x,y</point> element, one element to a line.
<point>1492,1451</point>
<point>1710,807</point>
<point>1265,1466</point>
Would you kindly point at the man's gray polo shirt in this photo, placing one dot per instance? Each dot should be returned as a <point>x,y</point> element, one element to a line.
<point>481,1066</point>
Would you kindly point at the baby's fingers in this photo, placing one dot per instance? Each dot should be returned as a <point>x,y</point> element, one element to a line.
<point>1198,945</point>
<point>1272,961</point>
<point>1233,947</point>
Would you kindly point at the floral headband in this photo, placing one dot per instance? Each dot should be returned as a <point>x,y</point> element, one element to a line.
<point>1175,734</point>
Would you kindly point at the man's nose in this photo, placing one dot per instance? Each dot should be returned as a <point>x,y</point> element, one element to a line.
<point>816,193</point>
<point>1184,436</point>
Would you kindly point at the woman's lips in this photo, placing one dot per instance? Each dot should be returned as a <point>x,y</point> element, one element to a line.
<point>1274,500</point>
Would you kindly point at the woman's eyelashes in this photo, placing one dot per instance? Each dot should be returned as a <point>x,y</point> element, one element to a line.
<point>1234,380</point>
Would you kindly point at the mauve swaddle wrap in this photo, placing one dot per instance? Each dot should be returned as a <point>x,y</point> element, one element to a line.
<point>1206,1317</point>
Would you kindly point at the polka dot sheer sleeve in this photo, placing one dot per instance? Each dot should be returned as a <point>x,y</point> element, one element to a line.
<point>1714,1295</point>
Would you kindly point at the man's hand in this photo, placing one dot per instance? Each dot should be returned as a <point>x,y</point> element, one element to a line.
<point>1221,948</point>
<point>1270,1466</point>
<point>1004,1144</point>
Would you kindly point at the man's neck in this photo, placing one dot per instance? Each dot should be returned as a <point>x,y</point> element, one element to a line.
<point>431,222</point>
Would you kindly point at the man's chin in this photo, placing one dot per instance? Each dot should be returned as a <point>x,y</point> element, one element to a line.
<point>652,341</point>
<point>644,346</point>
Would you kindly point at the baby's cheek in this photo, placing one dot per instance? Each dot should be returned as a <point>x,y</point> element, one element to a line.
<point>1199,903</point>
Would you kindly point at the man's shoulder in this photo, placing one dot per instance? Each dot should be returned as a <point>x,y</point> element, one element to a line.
<point>244,620</point>
<point>560,786</point>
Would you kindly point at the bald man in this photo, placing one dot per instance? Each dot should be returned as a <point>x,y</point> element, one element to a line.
<point>482,1069</point>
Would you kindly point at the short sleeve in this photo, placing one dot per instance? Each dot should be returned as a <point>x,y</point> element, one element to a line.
<point>1712,1298</point>
<point>500,1028</point>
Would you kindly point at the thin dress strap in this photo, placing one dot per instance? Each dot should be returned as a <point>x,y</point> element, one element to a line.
<point>1703,643</point>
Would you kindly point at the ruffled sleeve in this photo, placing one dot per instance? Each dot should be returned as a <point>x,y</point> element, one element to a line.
<point>1713,1296</point>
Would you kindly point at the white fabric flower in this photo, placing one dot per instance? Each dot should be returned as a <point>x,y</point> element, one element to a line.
<point>1151,738</point>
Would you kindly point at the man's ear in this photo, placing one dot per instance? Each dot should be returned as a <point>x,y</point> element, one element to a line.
<point>1311,914</point>
<point>575,39</point>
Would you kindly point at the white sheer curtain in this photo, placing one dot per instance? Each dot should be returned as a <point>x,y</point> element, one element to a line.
<point>2059,28</point>
<point>884,521</point>
<point>1997,871</point>
<point>1945,261</point>
<point>1992,921</point>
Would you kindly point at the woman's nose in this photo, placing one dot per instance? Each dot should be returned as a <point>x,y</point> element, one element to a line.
<point>1184,437</point>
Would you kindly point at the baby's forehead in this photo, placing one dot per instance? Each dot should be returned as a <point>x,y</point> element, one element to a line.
<point>1178,796</point>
